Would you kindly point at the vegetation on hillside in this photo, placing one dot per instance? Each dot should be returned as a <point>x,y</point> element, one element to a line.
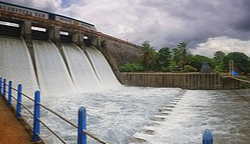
<point>179,59</point>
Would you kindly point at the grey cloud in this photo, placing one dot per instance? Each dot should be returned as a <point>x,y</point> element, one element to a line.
<point>46,5</point>
<point>163,22</point>
<point>203,19</point>
<point>243,20</point>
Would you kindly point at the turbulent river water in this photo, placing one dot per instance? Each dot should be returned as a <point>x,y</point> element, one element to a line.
<point>224,112</point>
<point>127,115</point>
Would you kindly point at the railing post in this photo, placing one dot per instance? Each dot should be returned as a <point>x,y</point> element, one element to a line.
<point>36,124</point>
<point>81,137</point>
<point>10,93</point>
<point>1,81</point>
<point>207,137</point>
<point>4,88</point>
<point>19,101</point>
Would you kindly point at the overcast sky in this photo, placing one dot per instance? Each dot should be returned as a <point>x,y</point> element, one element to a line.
<point>207,25</point>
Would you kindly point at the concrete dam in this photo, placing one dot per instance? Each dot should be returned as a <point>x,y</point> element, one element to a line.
<point>80,52</point>
<point>54,53</point>
<point>53,75</point>
<point>74,65</point>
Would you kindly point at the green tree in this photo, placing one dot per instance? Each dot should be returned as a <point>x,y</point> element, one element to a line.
<point>241,62</point>
<point>197,60</point>
<point>147,54</point>
<point>218,58</point>
<point>189,68</point>
<point>132,67</point>
<point>176,56</point>
<point>183,48</point>
<point>180,54</point>
<point>163,58</point>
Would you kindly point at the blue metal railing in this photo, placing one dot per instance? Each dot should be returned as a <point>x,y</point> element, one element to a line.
<point>82,129</point>
<point>207,137</point>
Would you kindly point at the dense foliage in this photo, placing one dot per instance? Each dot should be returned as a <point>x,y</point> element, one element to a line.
<point>132,67</point>
<point>179,59</point>
<point>241,62</point>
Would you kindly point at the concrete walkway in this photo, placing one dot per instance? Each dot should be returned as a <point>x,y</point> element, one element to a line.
<point>11,130</point>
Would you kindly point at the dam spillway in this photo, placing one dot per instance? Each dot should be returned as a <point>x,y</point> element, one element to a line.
<point>53,75</point>
<point>104,71</point>
<point>16,64</point>
<point>63,53</point>
<point>83,74</point>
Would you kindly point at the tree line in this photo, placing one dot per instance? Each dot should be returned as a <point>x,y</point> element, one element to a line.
<point>180,59</point>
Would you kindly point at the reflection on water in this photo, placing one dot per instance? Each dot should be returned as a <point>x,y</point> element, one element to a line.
<point>227,113</point>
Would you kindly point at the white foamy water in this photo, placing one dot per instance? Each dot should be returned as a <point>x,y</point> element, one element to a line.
<point>81,70</point>
<point>224,112</point>
<point>16,64</point>
<point>54,78</point>
<point>114,115</point>
<point>103,68</point>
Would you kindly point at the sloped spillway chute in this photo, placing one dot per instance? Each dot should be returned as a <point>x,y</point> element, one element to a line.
<point>54,78</point>
<point>81,70</point>
<point>102,68</point>
<point>16,64</point>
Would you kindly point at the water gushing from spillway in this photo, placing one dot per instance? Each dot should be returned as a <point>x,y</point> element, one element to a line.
<point>113,114</point>
<point>81,70</point>
<point>226,112</point>
<point>16,64</point>
<point>102,68</point>
<point>54,78</point>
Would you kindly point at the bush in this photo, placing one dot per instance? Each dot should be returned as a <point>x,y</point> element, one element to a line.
<point>132,67</point>
<point>164,69</point>
<point>217,69</point>
<point>189,68</point>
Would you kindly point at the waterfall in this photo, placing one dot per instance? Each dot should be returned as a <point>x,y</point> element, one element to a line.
<point>54,78</point>
<point>16,64</point>
<point>102,68</point>
<point>81,70</point>
<point>85,73</point>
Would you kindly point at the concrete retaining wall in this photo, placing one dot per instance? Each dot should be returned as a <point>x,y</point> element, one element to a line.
<point>194,81</point>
